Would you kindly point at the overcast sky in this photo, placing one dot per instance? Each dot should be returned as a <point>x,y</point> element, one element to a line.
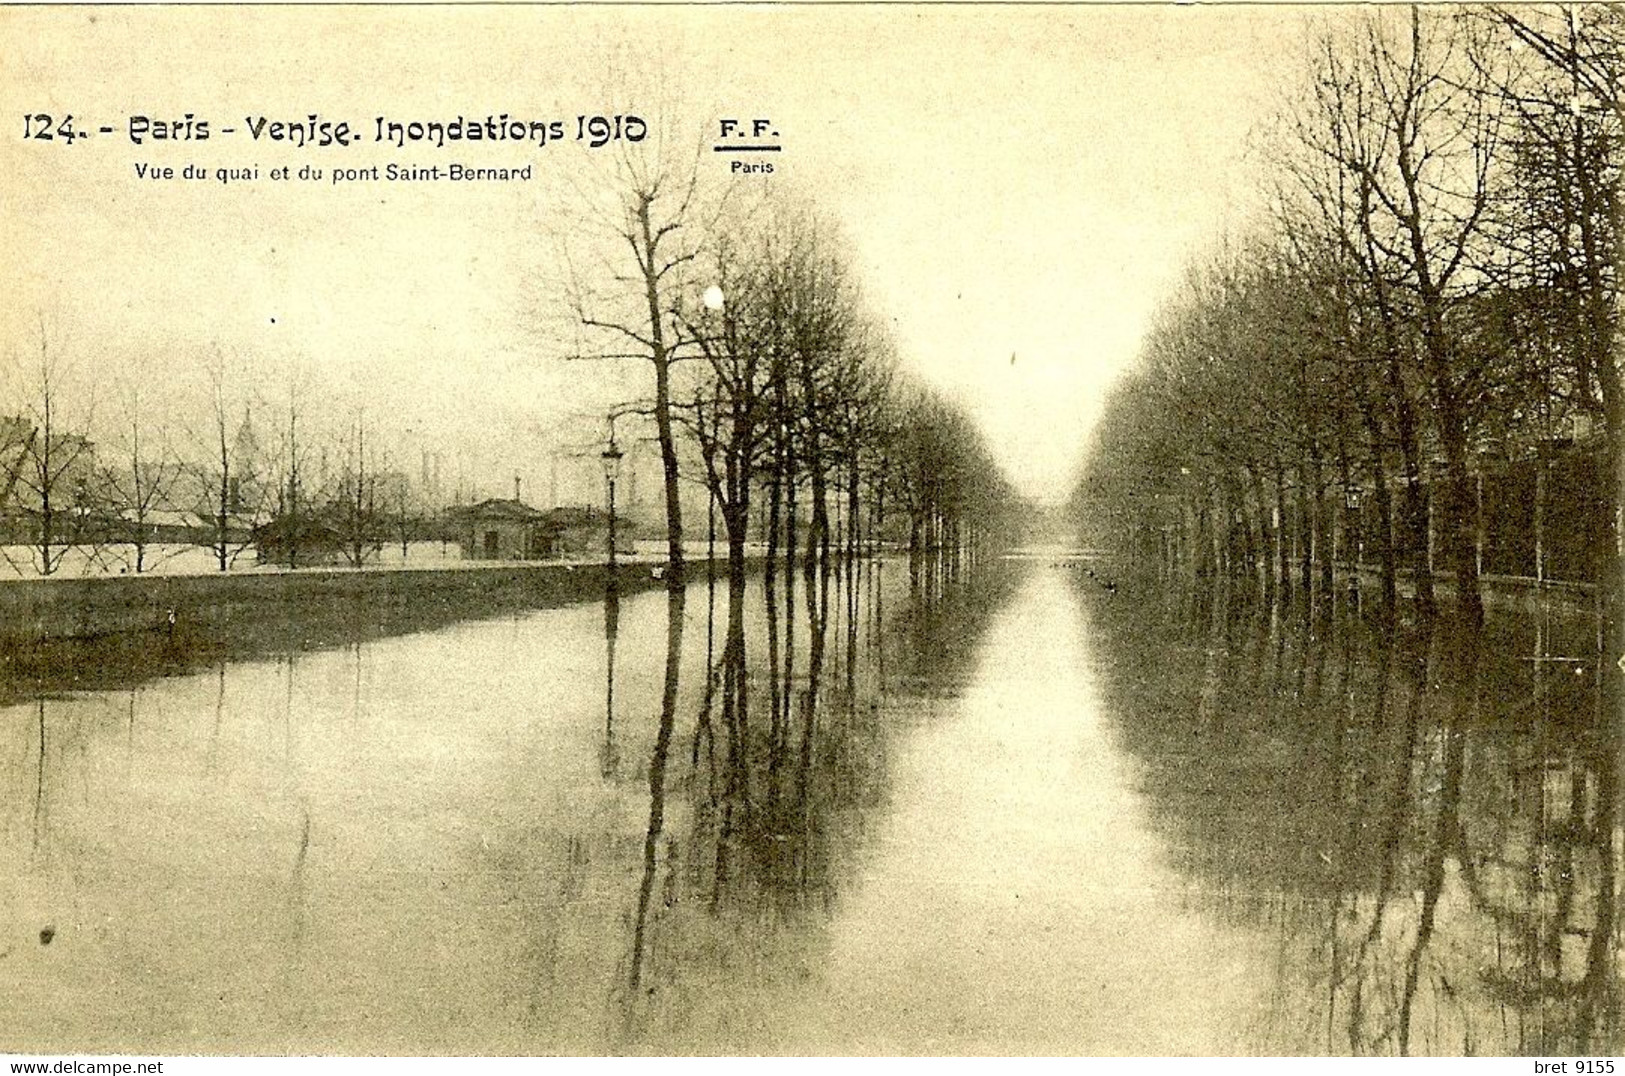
<point>1021,182</point>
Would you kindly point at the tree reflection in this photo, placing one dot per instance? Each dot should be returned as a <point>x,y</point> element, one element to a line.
<point>743,860</point>
<point>657,773</point>
<point>39,776</point>
<point>609,756</point>
<point>1425,814</point>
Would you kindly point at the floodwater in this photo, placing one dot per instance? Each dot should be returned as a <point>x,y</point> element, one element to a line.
<point>999,809</point>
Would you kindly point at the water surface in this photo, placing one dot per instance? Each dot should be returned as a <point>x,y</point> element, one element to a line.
<point>1001,808</point>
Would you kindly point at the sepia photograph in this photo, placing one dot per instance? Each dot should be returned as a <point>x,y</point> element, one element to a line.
<point>801,529</point>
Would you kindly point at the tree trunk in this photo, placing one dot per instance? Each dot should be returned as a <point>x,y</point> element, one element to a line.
<point>1306,533</point>
<point>1263,567</point>
<point>1282,524</point>
<point>660,356</point>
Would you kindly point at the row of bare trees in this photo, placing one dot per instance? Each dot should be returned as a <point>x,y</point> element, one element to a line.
<point>772,387</point>
<point>771,382</point>
<point>139,484</point>
<point>1435,295</point>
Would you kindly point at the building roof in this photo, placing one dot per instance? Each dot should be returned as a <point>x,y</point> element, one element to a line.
<point>301,529</point>
<point>498,509</point>
<point>573,516</point>
<point>162,517</point>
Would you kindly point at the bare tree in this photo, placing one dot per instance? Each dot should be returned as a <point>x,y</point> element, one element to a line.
<point>355,508</point>
<point>1568,239</point>
<point>225,470</point>
<point>291,501</point>
<point>54,475</point>
<point>727,415</point>
<point>140,485</point>
<point>1406,116</point>
<point>653,225</point>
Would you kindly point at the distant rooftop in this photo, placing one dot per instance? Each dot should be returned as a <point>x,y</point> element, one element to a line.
<point>499,508</point>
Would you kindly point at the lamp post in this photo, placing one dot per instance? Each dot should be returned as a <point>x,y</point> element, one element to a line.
<point>609,758</point>
<point>612,470</point>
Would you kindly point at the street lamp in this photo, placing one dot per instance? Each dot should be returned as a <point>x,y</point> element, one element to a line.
<point>609,758</point>
<point>612,471</point>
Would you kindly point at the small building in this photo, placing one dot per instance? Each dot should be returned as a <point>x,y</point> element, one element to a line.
<point>298,542</point>
<point>499,529</point>
<point>583,533</point>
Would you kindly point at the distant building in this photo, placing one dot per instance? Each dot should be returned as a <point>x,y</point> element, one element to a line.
<point>16,436</point>
<point>498,529</point>
<point>580,533</point>
<point>159,525</point>
<point>299,542</point>
<point>34,469</point>
<point>251,492</point>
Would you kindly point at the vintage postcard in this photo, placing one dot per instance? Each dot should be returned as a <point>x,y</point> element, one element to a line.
<point>804,529</point>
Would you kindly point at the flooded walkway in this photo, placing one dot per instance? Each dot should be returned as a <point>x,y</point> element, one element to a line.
<point>1000,810</point>
<point>1015,899</point>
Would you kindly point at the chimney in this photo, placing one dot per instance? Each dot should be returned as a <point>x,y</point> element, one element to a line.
<point>516,488</point>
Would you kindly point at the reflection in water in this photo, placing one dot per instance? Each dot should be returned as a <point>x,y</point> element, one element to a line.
<point>747,847</point>
<point>441,842</point>
<point>923,807</point>
<point>1425,814</point>
<point>657,773</point>
<point>609,760</point>
<point>39,777</point>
